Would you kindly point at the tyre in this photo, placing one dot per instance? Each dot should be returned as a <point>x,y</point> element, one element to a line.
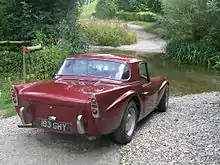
<point>125,132</point>
<point>164,102</point>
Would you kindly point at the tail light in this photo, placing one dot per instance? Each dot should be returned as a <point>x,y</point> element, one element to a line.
<point>94,107</point>
<point>14,95</point>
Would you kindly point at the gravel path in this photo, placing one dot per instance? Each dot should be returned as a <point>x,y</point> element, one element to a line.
<point>147,42</point>
<point>189,133</point>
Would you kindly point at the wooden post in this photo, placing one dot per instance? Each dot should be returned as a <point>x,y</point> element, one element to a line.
<point>24,67</point>
<point>25,51</point>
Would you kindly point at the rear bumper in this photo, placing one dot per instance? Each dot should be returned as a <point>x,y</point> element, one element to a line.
<point>81,124</point>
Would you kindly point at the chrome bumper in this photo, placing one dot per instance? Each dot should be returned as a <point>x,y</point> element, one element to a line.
<point>80,124</point>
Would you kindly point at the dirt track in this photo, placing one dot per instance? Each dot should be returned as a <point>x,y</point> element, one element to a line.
<point>146,43</point>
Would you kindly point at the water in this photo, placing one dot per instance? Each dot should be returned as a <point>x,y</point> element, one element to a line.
<point>184,79</point>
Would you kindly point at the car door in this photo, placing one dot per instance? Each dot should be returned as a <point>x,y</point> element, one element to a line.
<point>149,89</point>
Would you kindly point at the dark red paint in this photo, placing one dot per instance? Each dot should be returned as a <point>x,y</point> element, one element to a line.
<point>70,96</point>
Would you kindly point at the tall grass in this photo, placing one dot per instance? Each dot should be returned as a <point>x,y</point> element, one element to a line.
<point>108,33</point>
<point>204,53</point>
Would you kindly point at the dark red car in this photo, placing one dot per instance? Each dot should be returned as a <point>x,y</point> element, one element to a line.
<point>93,94</point>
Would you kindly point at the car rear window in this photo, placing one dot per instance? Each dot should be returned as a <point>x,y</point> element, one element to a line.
<point>96,68</point>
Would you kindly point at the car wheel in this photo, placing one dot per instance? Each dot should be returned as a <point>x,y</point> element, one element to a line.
<point>125,132</point>
<point>164,102</point>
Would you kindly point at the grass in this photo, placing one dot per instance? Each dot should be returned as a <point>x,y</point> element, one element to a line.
<point>87,10</point>
<point>6,106</point>
<point>108,33</point>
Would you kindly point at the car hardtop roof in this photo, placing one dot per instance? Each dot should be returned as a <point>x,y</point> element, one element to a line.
<point>110,57</point>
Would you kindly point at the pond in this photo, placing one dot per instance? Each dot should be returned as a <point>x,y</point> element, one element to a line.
<point>184,79</point>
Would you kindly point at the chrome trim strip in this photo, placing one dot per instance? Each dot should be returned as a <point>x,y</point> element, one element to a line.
<point>80,124</point>
<point>163,84</point>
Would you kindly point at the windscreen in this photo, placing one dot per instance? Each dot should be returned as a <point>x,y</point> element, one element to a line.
<point>95,68</point>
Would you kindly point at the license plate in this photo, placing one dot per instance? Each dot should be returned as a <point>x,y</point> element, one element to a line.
<point>58,126</point>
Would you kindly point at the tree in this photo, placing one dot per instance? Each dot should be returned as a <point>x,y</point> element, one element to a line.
<point>190,19</point>
<point>21,19</point>
<point>140,5</point>
<point>106,9</point>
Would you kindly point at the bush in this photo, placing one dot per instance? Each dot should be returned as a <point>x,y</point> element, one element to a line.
<point>21,19</point>
<point>10,62</point>
<point>136,16</point>
<point>190,19</point>
<point>132,5</point>
<point>108,33</point>
<point>139,5</point>
<point>45,63</point>
<point>204,52</point>
<point>41,64</point>
<point>106,9</point>
<point>193,27</point>
<point>154,6</point>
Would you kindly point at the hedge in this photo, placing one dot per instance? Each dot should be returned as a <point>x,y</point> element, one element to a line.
<point>137,16</point>
<point>43,64</point>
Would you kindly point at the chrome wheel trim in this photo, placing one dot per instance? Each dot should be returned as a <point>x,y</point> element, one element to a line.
<point>130,122</point>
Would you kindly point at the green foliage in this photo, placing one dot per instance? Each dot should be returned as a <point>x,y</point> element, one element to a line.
<point>194,29</point>
<point>154,6</point>
<point>133,5</point>
<point>6,107</point>
<point>190,19</point>
<point>106,9</point>
<point>51,23</point>
<point>215,61</point>
<point>108,33</point>
<point>140,5</point>
<point>41,64</point>
<point>10,62</point>
<point>45,63</point>
<point>88,10</point>
<point>203,52</point>
<point>137,16</point>
<point>21,19</point>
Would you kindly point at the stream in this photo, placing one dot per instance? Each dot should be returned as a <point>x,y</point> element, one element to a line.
<point>184,79</point>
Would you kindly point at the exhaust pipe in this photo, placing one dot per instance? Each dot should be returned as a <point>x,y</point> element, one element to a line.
<point>25,126</point>
<point>80,124</point>
<point>22,115</point>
